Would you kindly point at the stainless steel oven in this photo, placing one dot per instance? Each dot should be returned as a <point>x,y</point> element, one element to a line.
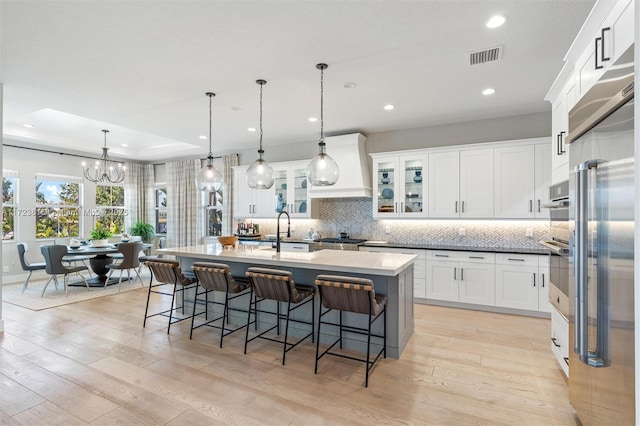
<point>558,243</point>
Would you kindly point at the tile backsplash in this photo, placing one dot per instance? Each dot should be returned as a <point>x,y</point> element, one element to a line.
<point>354,215</point>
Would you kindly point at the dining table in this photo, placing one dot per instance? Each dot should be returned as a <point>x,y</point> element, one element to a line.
<point>99,258</point>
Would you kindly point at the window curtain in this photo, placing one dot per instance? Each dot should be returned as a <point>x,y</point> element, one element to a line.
<point>229,161</point>
<point>139,194</point>
<point>185,208</point>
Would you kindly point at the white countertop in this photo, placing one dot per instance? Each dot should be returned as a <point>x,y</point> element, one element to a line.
<point>387,264</point>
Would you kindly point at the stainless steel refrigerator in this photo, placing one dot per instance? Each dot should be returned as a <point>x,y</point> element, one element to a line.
<point>601,226</point>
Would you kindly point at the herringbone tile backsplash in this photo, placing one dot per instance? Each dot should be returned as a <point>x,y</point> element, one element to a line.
<point>354,215</point>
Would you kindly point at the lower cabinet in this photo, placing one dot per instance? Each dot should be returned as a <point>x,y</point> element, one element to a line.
<point>560,339</point>
<point>521,283</point>
<point>419,286</point>
<point>459,276</point>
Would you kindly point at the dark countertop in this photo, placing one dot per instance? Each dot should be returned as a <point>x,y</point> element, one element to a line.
<point>391,244</point>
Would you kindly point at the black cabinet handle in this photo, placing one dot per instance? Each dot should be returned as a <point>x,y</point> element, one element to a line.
<point>598,39</point>
<point>518,260</point>
<point>542,275</point>
<point>602,57</point>
<point>442,255</point>
<point>533,281</point>
<point>553,340</point>
<point>558,144</point>
<point>562,151</point>
<point>566,360</point>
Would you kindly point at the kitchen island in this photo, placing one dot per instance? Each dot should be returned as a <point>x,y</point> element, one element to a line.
<point>392,275</point>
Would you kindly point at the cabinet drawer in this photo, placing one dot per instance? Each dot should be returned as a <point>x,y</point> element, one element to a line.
<point>464,256</point>
<point>516,259</point>
<point>300,247</point>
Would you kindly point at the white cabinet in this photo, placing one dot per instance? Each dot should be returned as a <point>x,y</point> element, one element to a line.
<point>400,186</point>
<point>459,276</point>
<point>560,129</point>
<point>294,247</point>
<point>419,266</point>
<point>521,181</point>
<point>290,190</point>
<point>609,42</point>
<point>249,202</point>
<point>461,183</point>
<point>519,282</point>
<point>560,340</point>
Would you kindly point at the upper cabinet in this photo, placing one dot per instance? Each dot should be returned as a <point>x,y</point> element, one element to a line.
<point>613,36</point>
<point>605,36</point>
<point>400,186</point>
<point>461,183</point>
<point>521,181</point>
<point>289,192</point>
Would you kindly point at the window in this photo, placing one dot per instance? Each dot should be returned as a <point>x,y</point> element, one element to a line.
<point>214,214</point>
<point>57,206</point>
<point>110,206</point>
<point>161,210</point>
<point>9,191</point>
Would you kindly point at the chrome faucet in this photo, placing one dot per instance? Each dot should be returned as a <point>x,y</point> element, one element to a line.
<point>278,229</point>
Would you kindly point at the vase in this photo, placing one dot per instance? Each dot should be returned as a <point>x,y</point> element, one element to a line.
<point>99,243</point>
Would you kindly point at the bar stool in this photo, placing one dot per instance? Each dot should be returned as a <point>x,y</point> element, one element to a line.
<point>278,285</point>
<point>217,277</point>
<point>351,294</point>
<point>168,272</point>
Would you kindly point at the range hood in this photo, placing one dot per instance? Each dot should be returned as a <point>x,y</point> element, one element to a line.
<point>355,178</point>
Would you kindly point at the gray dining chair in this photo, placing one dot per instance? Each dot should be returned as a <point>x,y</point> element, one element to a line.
<point>53,258</point>
<point>26,266</point>
<point>129,261</point>
<point>73,259</point>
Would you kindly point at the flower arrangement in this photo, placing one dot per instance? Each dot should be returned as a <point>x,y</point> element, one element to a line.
<point>100,233</point>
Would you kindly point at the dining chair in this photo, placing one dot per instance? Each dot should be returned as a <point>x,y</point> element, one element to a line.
<point>26,266</point>
<point>129,261</point>
<point>53,258</point>
<point>73,259</point>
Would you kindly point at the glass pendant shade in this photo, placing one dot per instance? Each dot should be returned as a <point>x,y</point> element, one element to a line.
<point>322,170</point>
<point>209,178</point>
<point>260,174</point>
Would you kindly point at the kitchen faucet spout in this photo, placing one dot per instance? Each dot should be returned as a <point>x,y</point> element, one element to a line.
<point>283,212</point>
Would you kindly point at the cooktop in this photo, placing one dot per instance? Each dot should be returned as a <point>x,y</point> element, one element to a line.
<point>342,240</point>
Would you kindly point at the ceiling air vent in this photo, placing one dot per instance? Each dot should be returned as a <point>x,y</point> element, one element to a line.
<point>486,55</point>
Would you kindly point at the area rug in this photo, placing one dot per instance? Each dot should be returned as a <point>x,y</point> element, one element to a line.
<point>30,299</point>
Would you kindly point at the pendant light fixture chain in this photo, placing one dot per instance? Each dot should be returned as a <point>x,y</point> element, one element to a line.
<point>210,95</point>
<point>322,67</point>
<point>261,83</point>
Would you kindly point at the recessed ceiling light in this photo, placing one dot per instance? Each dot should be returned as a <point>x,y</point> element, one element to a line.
<point>202,137</point>
<point>125,145</point>
<point>313,119</point>
<point>251,129</point>
<point>496,21</point>
<point>389,107</point>
<point>489,91</point>
<point>350,85</point>
<point>28,125</point>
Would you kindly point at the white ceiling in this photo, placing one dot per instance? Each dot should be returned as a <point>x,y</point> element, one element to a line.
<point>141,68</point>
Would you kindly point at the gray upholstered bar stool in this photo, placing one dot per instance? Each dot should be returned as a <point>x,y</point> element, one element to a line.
<point>278,285</point>
<point>214,277</point>
<point>168,272</point>
<point>351,294</point>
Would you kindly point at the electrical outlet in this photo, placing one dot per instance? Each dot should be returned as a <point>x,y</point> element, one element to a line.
<point>462,232</point>
<point>387,229</point>
<point>5,269</point>
<point>528,232</point>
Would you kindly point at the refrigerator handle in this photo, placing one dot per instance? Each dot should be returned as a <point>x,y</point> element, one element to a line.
<point>580,261</point>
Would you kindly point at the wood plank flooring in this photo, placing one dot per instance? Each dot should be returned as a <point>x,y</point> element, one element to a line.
<point>93,363</point>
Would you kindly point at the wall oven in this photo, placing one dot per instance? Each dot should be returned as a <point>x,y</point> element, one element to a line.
<point>558,243</point>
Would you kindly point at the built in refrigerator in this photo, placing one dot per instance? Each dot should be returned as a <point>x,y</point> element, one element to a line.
<point>601,230</point>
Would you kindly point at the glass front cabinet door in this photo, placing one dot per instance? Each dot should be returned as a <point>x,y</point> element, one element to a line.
<point>399,186</point>
<point>290,189</point>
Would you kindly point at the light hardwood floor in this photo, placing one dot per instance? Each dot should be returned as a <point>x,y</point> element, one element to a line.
<point>93,363</point>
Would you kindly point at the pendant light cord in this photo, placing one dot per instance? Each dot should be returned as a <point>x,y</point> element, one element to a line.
<point>210,95</point>
<point>322,104</point>
<point>261,85</point>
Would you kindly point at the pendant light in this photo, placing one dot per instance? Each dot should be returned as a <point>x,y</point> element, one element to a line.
<point>260,173</point>
<point>209,178</point>
<point>104,170</point>
<point>322,170</point>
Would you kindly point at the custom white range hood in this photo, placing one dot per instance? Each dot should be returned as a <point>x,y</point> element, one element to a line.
<point>355,177</point>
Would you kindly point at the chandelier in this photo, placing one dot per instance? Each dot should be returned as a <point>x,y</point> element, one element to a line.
<point>260,174</point>
<point>104,169</point>
<point>322,170</point>
<point>209,178</point>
